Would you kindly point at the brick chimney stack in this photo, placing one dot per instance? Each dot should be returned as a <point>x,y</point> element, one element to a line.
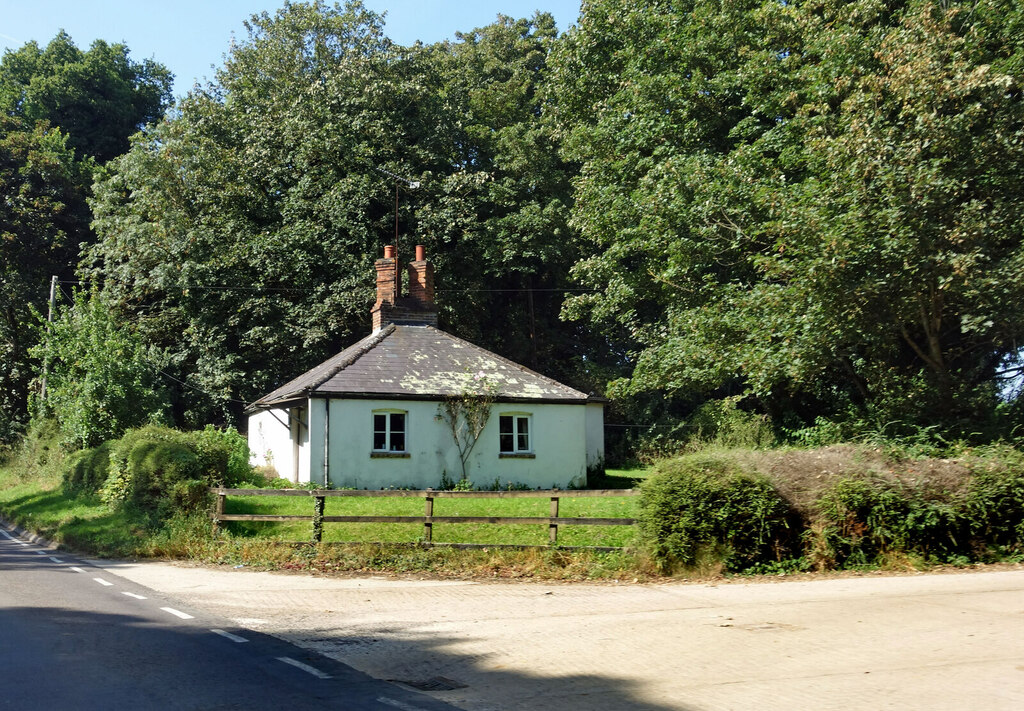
<point>391,307</point>
<point>387,285</point>
<point>421,279</point>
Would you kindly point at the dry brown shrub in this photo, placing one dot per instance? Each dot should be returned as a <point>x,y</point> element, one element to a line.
<point>802,475</point>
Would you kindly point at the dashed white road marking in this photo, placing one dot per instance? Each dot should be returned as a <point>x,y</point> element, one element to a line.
<point>228,635</point>
<point>8,536</point>
<point>397,704</point>
<point>40,552</point>
<point>178,613</point>
<point>101,581</point>
<point>12,538</point>
<point>76,569</point>
<point>56,559</point>
<point>304,667</point>
<point>137,597</point>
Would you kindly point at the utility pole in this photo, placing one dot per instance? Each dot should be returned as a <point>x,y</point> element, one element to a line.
<point>49,320</point>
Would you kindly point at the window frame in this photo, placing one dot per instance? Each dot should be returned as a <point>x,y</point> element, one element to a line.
<point>389,431</point>
<point>516,433</point>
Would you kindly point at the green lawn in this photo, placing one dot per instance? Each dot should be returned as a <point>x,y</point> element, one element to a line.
<point>33,498</point>
<point>612,507</point>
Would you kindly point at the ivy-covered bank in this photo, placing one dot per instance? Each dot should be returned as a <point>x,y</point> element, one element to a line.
<point>835,508</point>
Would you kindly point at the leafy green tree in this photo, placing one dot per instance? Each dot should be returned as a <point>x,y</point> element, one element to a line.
<point>41,212</point>
<point>98,97</point>
<point>497,213</point>
<point>650,100</point>
<point>817,203</point>
<point>55,103</point>
<point>912,272</point>
<point>100,380</point>
<point>242,231</point>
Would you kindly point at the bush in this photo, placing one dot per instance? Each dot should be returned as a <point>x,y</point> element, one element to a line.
<point>865,520</point>
<point>160,471</point>
<point>723,423</point>
<point>99,379</point>
<point>86,470</point>
<point>236,468</point>
<point>861,521</point>
<point>695,508</point>
<point>39,453</point>
<point>994,508</point>
<point>145,464</point>
<point>832,508</point>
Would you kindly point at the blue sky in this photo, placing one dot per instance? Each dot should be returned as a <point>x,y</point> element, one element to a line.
<point>191,36</point>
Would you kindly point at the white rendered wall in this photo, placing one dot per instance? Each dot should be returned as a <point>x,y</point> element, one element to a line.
<point>595,434</point>
<point>558,440</point>
<point>270,442</point>
<point>302,428</point>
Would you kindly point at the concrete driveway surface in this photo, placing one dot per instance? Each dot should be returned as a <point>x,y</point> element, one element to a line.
<point>937,641</point>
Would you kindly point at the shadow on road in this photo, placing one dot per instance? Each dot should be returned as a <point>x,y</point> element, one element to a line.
<point>432,663</point>
<point>63,658</point>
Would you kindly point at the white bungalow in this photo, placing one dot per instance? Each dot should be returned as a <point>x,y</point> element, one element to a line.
<point>372,416</point>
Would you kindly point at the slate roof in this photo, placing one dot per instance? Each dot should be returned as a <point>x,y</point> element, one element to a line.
<point>418,363</point>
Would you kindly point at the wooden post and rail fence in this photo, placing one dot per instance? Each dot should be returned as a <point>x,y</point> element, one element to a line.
<point>319,496</point>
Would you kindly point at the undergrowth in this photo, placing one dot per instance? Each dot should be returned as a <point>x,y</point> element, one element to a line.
<point>718,510</point>
<point>834,508</point>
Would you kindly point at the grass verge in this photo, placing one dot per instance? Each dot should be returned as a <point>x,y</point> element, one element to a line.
<point>32,497</point>
<point>849,507</point>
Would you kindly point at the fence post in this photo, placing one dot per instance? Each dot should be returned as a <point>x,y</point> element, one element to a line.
<point>218,510</point>
<point>428,525</point>
<point>318,518</point>
<point>553,527</point>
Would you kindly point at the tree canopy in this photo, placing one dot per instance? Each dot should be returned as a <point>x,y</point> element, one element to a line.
<point>42,210</point>
<point>243,230</point>
<point>810,210</point>
<point>61,111</point>
<point>98,98</point>
<point>817,202</point>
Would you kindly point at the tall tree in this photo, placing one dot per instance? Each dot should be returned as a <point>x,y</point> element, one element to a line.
<point>243,231</point>
<point>240,229</point>
<point>61,110</point>
<point>818,202</point>
<point>41,213</point>
<point>497,211</point>
<point>98,97</point>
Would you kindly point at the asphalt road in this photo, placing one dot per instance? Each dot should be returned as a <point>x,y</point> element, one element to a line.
<point>73,636</point>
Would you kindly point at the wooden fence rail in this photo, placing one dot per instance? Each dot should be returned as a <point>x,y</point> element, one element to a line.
<point>319,496</point>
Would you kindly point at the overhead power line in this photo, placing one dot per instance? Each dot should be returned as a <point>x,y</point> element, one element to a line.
<point>286,289</point>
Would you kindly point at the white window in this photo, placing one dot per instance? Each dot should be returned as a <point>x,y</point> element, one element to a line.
<point>514,434</point>
<point>389,431</point>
